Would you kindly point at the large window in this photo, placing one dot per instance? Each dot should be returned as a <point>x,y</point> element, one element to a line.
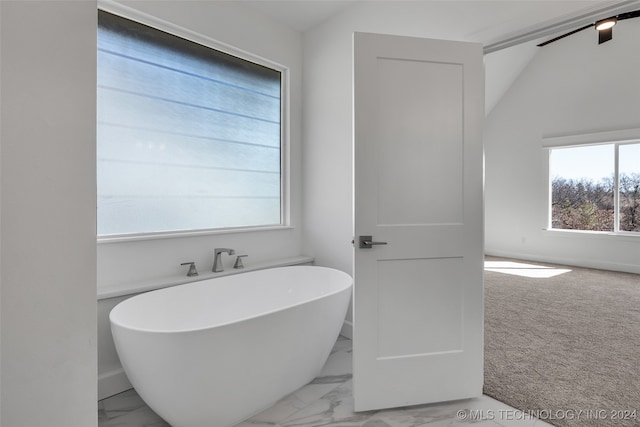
<point>189,137</point>
<point>596,187</point>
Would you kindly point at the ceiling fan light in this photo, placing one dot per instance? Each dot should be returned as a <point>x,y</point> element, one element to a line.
<point>605,24</point>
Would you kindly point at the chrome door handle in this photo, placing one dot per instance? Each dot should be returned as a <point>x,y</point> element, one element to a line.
<point>366,242</point>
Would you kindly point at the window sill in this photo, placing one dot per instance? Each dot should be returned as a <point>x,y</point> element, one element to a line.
<point>585,234</point>
<point>113,291</point>
<point>189,233</point>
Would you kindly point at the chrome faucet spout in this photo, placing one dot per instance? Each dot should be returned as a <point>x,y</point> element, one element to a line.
<point>217,258</point>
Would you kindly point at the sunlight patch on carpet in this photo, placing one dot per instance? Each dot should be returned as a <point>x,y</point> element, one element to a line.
<point>524,270</point>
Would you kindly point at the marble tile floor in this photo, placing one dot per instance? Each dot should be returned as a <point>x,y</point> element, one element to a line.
<point>327,401</point>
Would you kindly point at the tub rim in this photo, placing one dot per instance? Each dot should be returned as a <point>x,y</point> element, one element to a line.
<point>238,320</point>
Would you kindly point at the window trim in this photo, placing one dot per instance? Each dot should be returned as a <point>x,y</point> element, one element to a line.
<point>118,238</point>
<point>285,167</point>
<point>616,138</point>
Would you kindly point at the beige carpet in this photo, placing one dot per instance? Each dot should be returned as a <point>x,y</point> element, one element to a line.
<point>567,346</point>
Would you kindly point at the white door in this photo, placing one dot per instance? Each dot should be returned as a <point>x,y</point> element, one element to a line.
<point>418,300</point>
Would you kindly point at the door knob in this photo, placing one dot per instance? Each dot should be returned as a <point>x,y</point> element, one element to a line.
<point>366,242</point>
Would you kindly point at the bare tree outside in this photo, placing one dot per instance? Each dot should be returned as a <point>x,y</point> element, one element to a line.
<point>589,205</point>
<point>630,202</point>
<point>582,205</point>
<point>629,183</point>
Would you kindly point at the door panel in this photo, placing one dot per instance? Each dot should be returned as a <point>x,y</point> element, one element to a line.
<point>419,90</point>
<point>418,173</point>
<point>402,321</point>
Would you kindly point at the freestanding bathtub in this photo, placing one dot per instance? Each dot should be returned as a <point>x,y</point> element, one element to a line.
<point>215,352</point>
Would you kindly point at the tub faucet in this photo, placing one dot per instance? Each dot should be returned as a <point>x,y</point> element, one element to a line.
<point>217,255</point>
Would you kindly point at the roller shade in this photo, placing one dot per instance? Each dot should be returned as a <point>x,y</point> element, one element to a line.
<point>188,137</point>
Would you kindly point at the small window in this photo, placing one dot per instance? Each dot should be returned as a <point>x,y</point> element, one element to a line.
<point>189,137</point>
<point>596,188</point>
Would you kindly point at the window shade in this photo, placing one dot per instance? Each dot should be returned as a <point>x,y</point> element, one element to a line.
<point>188,137</point>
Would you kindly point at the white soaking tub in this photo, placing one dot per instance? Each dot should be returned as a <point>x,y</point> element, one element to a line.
<point>215,352</point>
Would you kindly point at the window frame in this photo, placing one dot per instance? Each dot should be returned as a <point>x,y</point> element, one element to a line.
<point>615,138</point>
<point>285,167</point>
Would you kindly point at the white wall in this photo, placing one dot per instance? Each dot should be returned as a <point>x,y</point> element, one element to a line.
<point>502,69</point>
<point>48,254</point>
<point>1,329</point>
<point>242,28</point>
<point>573,86</point>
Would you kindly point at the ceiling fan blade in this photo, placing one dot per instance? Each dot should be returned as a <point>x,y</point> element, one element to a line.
<point>564,35</point>
<point>629,15</point>
<point>605,35</point>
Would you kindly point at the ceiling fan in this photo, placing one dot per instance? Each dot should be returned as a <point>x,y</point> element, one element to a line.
<point>603,26</point>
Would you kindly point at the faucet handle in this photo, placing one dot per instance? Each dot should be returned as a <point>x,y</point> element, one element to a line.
<point>192,268</point>
<point>238,263</point>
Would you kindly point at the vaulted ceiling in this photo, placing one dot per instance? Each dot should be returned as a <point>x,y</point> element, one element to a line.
<point>485,21</point>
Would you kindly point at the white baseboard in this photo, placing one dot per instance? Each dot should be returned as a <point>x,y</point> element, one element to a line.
<point>599,265</point>
<point>347,330</point>
<point>112,382</point>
